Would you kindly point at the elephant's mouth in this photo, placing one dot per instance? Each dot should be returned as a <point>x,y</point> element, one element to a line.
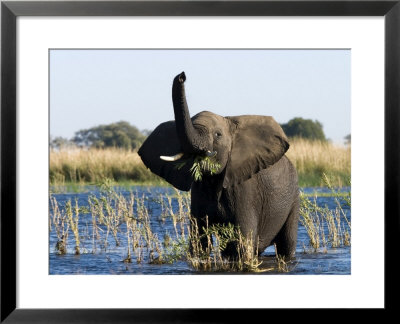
<point>202,164</point>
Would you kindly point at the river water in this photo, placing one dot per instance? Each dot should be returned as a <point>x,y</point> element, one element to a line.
<point>110,260</point>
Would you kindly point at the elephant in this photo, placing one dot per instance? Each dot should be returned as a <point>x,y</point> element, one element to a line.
<point>254,187</point>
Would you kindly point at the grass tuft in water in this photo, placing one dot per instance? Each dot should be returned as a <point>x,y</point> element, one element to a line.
<point>282,265</point>
<point>324,226</point>
<point>58,220</point>
<point>74,223</point>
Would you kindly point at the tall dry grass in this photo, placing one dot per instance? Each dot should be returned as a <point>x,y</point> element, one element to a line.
<point>95,165</point>
<point>312,160</point>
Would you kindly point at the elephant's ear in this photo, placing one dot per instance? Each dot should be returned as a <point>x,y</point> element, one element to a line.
<point>164,141</point>
<point>258,142</point>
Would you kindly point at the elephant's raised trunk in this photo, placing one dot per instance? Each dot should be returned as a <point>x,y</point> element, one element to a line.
<point>189,137</point>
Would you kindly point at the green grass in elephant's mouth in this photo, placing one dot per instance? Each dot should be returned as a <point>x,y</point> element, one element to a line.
<point>201,165</point>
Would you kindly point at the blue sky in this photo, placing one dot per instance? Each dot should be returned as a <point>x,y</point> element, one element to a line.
<point>93,87</point>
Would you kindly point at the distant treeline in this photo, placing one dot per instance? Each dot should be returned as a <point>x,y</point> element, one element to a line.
<point>124,135</point>
<point>119,135</point>
<point>304,128</point>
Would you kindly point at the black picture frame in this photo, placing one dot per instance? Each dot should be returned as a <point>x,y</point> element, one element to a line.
<point>10,10</point>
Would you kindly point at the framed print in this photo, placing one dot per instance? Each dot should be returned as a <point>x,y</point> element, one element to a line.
<point>81,126</point>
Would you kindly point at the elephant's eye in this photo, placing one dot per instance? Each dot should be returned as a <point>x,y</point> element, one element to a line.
<point>218,134</point>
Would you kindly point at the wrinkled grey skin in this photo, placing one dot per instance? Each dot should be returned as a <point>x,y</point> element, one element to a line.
<point>255,188</point>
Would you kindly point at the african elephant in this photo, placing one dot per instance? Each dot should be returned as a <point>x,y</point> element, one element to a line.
<point>255,186</point>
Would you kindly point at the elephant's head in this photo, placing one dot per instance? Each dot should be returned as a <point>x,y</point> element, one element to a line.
<point>240,146</point>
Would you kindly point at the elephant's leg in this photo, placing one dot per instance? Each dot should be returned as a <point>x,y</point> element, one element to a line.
<point>246,221</point>
<point>287,237</point>
<point>249,241</point>
<point>200,242</point>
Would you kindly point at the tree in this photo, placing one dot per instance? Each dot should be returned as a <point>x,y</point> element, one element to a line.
<point>146,132</point>
<point>347,139</point>
<point>120,134</point>
<point>305,128</point>
<point>59,143</point>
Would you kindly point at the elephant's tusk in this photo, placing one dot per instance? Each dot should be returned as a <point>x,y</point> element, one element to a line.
<point>211,154</point>
<point>171,158</point>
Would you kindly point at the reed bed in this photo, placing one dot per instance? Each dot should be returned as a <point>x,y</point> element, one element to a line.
<point>127,220</point>
<point>112,220</point>
<point>311,158</point>
<point>325,227</point>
